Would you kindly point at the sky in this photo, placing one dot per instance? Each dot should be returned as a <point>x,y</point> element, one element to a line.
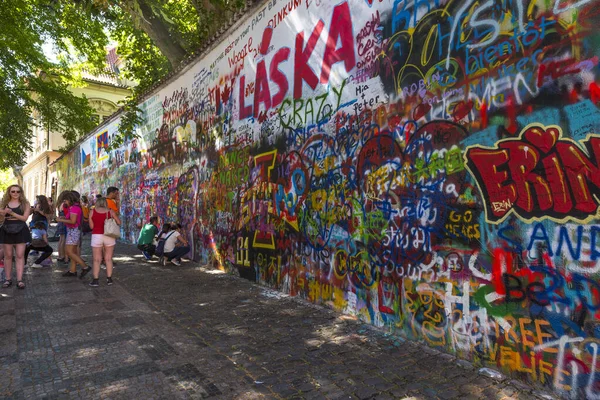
<point>49,52</point>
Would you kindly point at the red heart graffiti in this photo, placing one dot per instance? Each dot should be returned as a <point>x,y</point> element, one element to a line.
<point>542,139</point>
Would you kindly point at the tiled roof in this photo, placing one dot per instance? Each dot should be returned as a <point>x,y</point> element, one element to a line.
<point>113,60</point>
<point>106,79</point>
<point>110,73</point>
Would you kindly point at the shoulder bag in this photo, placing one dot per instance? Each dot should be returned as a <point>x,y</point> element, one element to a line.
<point>160,247</point>
<point>111,229</point>
<point>13,228</point>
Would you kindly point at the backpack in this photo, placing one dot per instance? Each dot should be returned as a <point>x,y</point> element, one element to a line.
<point>160,247</point>
<point>38,243</point>
<point>85,227</point>
<point>85,223</point>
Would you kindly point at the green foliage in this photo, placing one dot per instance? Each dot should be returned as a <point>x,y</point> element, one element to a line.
<point>23,86</point>
<point>144,63</point>
<point>7,178</point>
<point>153,37</point>
<point>136,26</point>
<point>142,44</point>
<point>130,119</point>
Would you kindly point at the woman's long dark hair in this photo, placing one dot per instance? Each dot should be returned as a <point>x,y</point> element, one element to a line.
<point>44,205</point>
<point>67,195</point>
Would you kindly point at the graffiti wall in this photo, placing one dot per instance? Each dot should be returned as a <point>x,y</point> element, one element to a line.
<point>430,166</point>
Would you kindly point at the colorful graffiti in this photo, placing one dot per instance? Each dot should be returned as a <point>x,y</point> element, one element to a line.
<point>429,167</point>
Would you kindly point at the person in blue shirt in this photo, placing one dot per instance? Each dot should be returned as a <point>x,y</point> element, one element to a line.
<point>39,242</point>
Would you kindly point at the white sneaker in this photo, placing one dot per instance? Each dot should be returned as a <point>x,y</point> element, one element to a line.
<point>174,261</point>
<point>37,266</point>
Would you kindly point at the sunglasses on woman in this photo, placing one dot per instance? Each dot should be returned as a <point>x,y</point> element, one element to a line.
<point>15,191</point>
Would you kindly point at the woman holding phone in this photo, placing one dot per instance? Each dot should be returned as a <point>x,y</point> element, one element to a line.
<point>41,212</point>
<point>15,210</point>
<point>72,220</point>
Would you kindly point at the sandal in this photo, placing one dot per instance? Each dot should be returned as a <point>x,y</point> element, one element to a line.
<point>20,285</point>
<point>7,283</point>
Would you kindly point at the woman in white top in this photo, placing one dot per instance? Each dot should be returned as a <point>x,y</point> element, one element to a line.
<point>176,246</point>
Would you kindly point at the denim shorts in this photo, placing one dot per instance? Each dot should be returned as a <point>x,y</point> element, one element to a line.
<point>61,229</point>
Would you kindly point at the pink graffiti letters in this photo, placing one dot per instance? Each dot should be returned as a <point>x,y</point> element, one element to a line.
<point>340,30</point>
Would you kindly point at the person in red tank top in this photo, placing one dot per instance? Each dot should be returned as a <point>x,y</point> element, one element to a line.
<point>99,218</point>
<point>102,245</point>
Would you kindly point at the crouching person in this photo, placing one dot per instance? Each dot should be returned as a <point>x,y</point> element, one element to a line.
<point>145,241</point>
<point>39,242</point>
<point>176,246</point>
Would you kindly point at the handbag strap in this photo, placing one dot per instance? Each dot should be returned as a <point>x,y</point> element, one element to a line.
<point>169,235</point>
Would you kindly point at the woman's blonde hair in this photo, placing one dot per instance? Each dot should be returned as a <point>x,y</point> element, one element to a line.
<point>6,198</point>
<point>101,202</point>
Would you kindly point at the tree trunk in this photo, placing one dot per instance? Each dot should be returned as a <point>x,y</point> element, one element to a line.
<point>203,6</point>
<point>156,28</point>
<point>209,16</point>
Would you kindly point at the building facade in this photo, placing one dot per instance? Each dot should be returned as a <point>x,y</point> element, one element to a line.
<point>104,92</point>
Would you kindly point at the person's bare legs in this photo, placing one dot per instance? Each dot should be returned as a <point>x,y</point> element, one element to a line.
<point>74,257</point>
<point>20,260</point>
<point>8,255</point>
<point>97,252</point>
<point>108,255</point>
<point>62,239</point>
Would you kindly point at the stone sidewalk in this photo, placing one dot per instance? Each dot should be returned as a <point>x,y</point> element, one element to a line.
<point>188,332</point>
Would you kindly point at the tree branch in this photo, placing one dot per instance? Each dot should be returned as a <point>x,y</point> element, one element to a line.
<point>156,28</point>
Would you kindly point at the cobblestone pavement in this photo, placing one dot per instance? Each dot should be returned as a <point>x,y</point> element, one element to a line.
<point>189,332</point>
